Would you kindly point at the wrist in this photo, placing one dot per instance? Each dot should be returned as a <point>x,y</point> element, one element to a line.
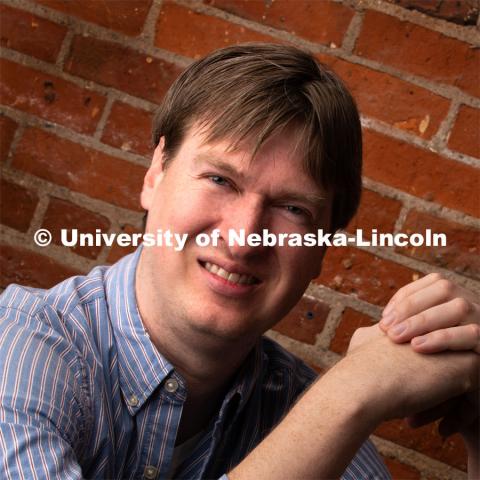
<point>355,394</point>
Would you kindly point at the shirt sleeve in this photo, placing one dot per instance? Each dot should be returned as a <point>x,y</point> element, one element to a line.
<point>367,465</point>
<point>42,412</point>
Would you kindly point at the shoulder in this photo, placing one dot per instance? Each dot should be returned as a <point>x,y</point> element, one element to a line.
<point>43,377</point>
<point>63,297</point>
<point>60,310</point>
<point>42,334</point>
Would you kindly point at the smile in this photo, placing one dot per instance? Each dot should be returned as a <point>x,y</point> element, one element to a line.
<point>230,277</point>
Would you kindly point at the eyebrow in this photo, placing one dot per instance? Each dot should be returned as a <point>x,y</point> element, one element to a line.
<point>219,163</point>
<point>312,199</point>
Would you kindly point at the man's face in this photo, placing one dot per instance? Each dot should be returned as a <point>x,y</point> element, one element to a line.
<point>206,187</point>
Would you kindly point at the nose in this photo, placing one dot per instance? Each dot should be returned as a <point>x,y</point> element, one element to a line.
<point>245,216</point>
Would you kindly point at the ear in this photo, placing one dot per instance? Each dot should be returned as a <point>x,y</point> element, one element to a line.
<point>153,176</point>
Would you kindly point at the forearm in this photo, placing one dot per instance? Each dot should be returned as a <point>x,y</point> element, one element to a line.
<point>319,436</point>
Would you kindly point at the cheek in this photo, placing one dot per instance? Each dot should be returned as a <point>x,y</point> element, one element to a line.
<point>302,265</point>
<point>191,215</point>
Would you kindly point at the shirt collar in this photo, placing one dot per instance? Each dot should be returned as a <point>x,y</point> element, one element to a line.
<point>141,367</point>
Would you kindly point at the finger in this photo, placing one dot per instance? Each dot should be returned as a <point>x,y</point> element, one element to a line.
<point>410,288</point>
<point>463,337</point>
<point>435,293</point>
<point>450,314</point>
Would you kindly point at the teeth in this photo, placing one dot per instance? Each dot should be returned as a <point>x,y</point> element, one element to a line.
<point>211,267</point>
<point>231,277</point>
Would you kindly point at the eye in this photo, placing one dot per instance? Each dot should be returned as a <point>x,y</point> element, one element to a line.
<point>297,211</point>
<point>217,179</point>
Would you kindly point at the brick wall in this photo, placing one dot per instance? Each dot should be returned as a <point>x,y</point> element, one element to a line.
<point>79,83</point>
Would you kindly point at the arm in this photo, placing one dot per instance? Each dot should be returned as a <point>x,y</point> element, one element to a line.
<point>40,417</point>
<point>319,436</point>
<point>377,381</point>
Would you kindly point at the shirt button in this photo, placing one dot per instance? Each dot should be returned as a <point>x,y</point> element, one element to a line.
<point>133,401</point>
<point>150,472</point>
<point>171,385</point>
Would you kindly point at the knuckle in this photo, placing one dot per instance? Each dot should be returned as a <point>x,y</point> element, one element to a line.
<point>404,308</point>
<point>358,332</point>
<point>436,276</point>
<point>475,330</point>
<point>444,335</point>
<point>421,319</point>
<point>462,306</point>
<point>447,287</point>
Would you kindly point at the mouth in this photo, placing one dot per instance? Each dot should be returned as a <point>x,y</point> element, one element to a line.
<point>231,277</point>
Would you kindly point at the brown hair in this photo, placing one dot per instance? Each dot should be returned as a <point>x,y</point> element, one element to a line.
<point>255,90</point>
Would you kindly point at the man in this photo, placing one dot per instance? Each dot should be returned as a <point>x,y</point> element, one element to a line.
<point>156,367</point>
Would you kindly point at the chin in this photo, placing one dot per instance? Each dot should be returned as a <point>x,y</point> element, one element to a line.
<point>225,328</point>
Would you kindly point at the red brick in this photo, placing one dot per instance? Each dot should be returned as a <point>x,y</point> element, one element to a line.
<point>79,168</point>
<point>418,50</point>
<point>321,22</point>
<point>116,251</point>
<point>464,12</point>
<point>400,471</point>
<point>375,211</point>
<point>426,440</point>
<point>129,128</point>
<point>304,321</point>
<point>462,253</point>
<point>63,214</point>
<point>421,173</point>
<point>465,135</point>
<point>468,80</point>
<point>363,275</point>
<point>200,33</point>
<point>7,131</point>
<point>124,16</point>
<point>351,321</point>
<point>396,102</point>
<point>49,97</point>
<point>30,34</point>
<point>26,267</point>
<point>17,205</point>
<point>120,67</point>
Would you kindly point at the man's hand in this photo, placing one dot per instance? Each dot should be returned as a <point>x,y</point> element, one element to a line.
<point>406,381</point>
<point>434,315</point>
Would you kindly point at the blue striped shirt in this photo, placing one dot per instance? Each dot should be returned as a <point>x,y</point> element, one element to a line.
<point>84,392</point>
